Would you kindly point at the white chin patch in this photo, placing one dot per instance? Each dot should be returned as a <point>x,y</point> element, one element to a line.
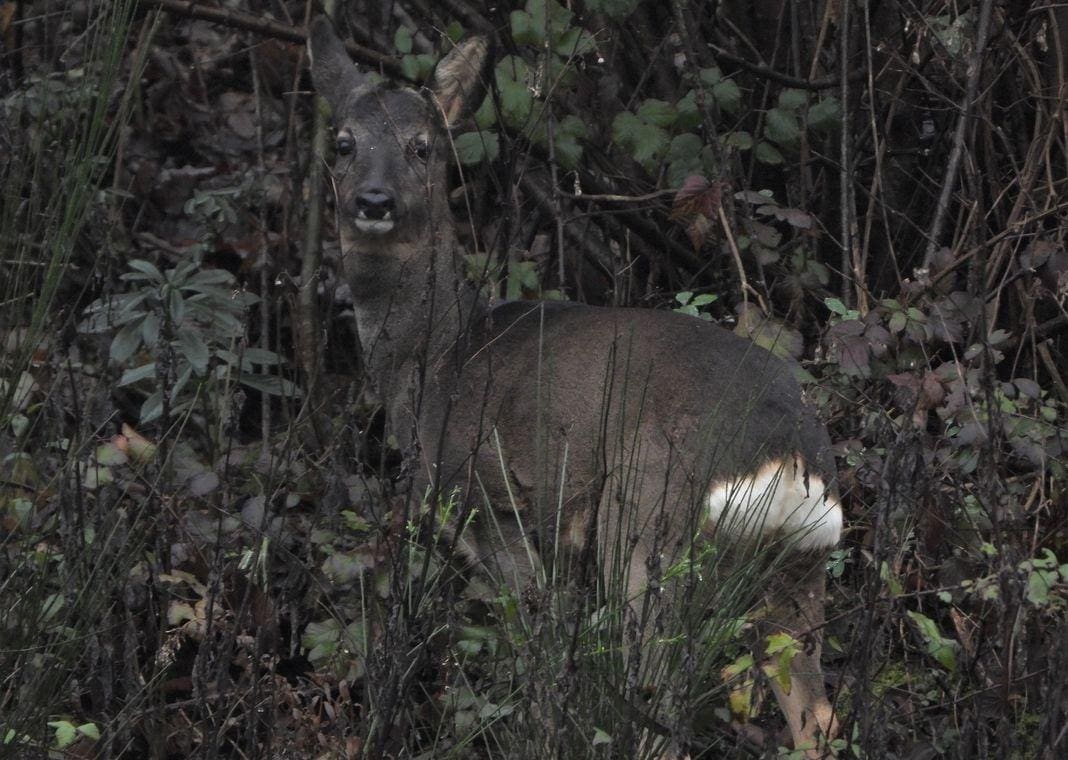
<point>374,226</point>
<point>779,499</point>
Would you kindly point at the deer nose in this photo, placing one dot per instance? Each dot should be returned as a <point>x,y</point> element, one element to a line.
<point>375,204</point>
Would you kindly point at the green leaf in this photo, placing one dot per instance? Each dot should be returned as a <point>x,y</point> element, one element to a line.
<point>600,736</point>
<point>66,733</point>
<point>355,522</point>
<point>739,666</point>
<point>688,116</point>
<point>782,647</point>
<point>469,647</point>
<point>711,76</point>
<point>650,146</point>
<point>175,305</point>
<point>522,276</point>
<point>836,306</point>
<point>150,330</point>
<point>152,408</point>
<point>625,127</point>
<point>486,115</point>
<point>272,384</point>
<point>131,376</point>
<point>125,343</point>
<point>109,455</point>
<point>192,346</point>
<point>572,126</point>
<point>180,381</point>
<point>211,277</point>
<point>728,96</point>
<point>491,711</point>
<point>686,145</point>
<point>781,127</point>
<point>145,267</point>
<point>128,304</point>
<point>454,31</point>
<point>89,730</point>
<point>548,14</point>
<point>740,140</point>
<point>646,142</point>
<point>684,158</point>
<point>516,99</point>
<point>566,146</point>
<point>218,297</point>
<point>766,153</point>
<point>475,147</point>
<point>1039,584</point>
<point>342,568</point>
<point>220,318</point>
<point>658,112</point>
<point>320,640</point>
<point>402,40</point>
<point>260,356</point>
<point>573,42</point>
<point>792,100</point>
<point>51,606</point>
<point>893,583</point>
<point>943,650</point>
<point>825,115</point>
<point>524,32</point>
<point>418,68</point>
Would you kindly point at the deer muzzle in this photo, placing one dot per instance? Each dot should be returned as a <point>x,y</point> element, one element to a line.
<point>375,211</point>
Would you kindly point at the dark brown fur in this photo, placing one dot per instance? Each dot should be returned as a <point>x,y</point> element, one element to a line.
<point>621,417</point>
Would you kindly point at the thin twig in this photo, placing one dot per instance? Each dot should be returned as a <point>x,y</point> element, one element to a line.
<point>766,72</point>
<point>307,321</point>
<point>747,289</point>
<point>845,183</point>
<point>1054,372</point>
<point>613,198</point>
<point>265,249</point>
<point>949,181</point>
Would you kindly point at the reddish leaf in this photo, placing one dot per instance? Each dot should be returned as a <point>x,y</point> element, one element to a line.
<point>698,231</point>
<point>697,196</point>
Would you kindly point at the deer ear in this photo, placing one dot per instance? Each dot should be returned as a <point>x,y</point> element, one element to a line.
<point>458,78</point>
<point>333,72</point>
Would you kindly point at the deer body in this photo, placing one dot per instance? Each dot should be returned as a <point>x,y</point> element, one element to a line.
<point>572,422</point>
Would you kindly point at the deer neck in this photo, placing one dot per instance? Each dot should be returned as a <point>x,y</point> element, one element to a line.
<point>415,312</point>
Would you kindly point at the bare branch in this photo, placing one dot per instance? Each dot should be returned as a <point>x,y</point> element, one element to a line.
<point>270,28</point>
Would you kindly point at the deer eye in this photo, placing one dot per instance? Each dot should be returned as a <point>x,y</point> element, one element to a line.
<point>420,147</point>
<point>345,143</point>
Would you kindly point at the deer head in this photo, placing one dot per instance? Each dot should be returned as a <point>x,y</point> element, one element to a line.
<point>392,143</point>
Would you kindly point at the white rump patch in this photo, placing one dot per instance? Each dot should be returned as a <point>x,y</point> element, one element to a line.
<point>374,226</point>
<point>781,497</point>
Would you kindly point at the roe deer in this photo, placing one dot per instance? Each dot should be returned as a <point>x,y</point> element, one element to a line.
<point>611,416</point>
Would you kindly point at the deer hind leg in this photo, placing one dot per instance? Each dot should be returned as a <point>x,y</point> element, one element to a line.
<point>496,543</point>
<point>636,546</point>
<point>798,609</point>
